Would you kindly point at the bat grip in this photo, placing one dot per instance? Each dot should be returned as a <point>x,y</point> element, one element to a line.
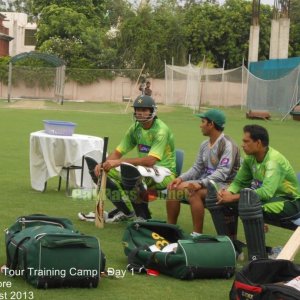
<point>104,149</point>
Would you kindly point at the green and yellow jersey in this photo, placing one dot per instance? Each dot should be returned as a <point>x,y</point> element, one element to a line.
<point>157,141</point>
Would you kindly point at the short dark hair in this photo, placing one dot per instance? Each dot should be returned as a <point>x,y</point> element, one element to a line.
<point>217,127</point>
<point>258,132</point>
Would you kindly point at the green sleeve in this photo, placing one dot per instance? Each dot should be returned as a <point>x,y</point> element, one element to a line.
<point>242,179</point>
<point>272,179</point>
<point>128,141</point>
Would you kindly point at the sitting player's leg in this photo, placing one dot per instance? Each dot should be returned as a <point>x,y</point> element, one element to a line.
<point>133,185</point>
<point>225,218</point>
<point>173,202</point>
<point>251,214</point>
<point>196,200</point>
<point>282,212</point>
<point>115,193</point>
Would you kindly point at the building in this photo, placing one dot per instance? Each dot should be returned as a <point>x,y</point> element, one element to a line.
<point>4,37</point>
<point>22,32</point>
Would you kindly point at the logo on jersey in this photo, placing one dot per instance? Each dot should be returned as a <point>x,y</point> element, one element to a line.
<point>144,148</point>
<point>209,171</point>
<point>256,184</point>
<point>224,161</point>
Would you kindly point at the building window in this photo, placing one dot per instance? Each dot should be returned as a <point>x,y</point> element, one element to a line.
<point>30,39</point>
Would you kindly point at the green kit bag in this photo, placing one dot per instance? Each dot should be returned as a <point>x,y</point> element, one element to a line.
<point>52,255</point>
<point>167,249</point>
<point>37,220</point>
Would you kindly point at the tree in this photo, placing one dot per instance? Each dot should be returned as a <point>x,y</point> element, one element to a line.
<point>295,28</point>
<point>222,32</point>
<point>74,35</point>
<point>106,34</point>
<point>152,36</point>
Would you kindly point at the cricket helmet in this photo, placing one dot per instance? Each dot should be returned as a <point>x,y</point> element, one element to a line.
<point>144,101</point>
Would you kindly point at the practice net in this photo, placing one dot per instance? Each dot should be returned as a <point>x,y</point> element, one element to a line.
<point>194,87</point>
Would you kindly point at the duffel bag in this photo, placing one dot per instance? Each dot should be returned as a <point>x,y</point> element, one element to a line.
<point>267,279</point>
<point>167,249</point>
<point>37,220</point>
<point>54,256</point>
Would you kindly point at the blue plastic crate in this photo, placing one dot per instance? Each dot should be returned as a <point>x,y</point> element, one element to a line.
<point>59,127</point>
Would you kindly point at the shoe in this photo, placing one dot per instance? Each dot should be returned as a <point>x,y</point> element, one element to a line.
<point>119,217</point>
<point>90,217</point>
<point>195,234</point>
<point>140,219</point>
<point>274,252</point>
<point>112,213</point>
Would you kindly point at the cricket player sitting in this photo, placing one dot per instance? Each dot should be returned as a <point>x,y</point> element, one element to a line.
<point>126,187</point>
<point>265,190</point>
<point>218,159</point>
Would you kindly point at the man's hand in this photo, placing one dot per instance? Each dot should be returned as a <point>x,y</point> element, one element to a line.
<point>193,187</point>
<point>106,166</point>
<point>225,196</point>
<point>110,164</point>
<point>174,183</point>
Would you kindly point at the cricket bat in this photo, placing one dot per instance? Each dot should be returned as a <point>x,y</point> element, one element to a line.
<point>291,247</point>
<point>101,186</point>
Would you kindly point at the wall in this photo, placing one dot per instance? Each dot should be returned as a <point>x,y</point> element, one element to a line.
<point>102,91</point>
<point>213,93</point>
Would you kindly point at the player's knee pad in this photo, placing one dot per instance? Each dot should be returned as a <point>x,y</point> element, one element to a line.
<point>91,164</point>
<point>130,177</point>
<point>249,205</point>
<point>251,214</point>
<point>211,198</point>
<point>114,194</point>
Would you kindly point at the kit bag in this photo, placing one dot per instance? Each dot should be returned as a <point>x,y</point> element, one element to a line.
<point>53,255</point>
<point>145,245</point>
<point>37,220</point>
<point>266,279</point>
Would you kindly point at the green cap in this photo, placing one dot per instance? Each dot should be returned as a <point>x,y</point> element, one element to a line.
<point>215,115</point>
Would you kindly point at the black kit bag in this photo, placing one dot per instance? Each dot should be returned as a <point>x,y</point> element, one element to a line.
<point>265,279</point>
<point>52,255</point>
<point>188,258</point>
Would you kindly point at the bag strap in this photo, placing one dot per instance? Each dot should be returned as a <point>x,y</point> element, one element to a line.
<point>133,253</point>
<point>14,262</point>
<point>204,237</point>
<point>132,265</point>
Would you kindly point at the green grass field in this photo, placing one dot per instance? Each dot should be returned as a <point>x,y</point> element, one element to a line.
<point>17,198</point>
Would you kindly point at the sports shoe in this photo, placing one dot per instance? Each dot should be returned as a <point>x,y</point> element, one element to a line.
<point>274,252</point>
<point>238,246</point>
<point>90,217</point>
<point>139,219</point>
<point>112,213</point>
<point>119,217</point>
<point>195,234</point>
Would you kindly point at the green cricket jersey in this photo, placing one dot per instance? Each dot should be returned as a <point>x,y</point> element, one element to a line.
<point>273,177</point>
<point>157,141</point>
